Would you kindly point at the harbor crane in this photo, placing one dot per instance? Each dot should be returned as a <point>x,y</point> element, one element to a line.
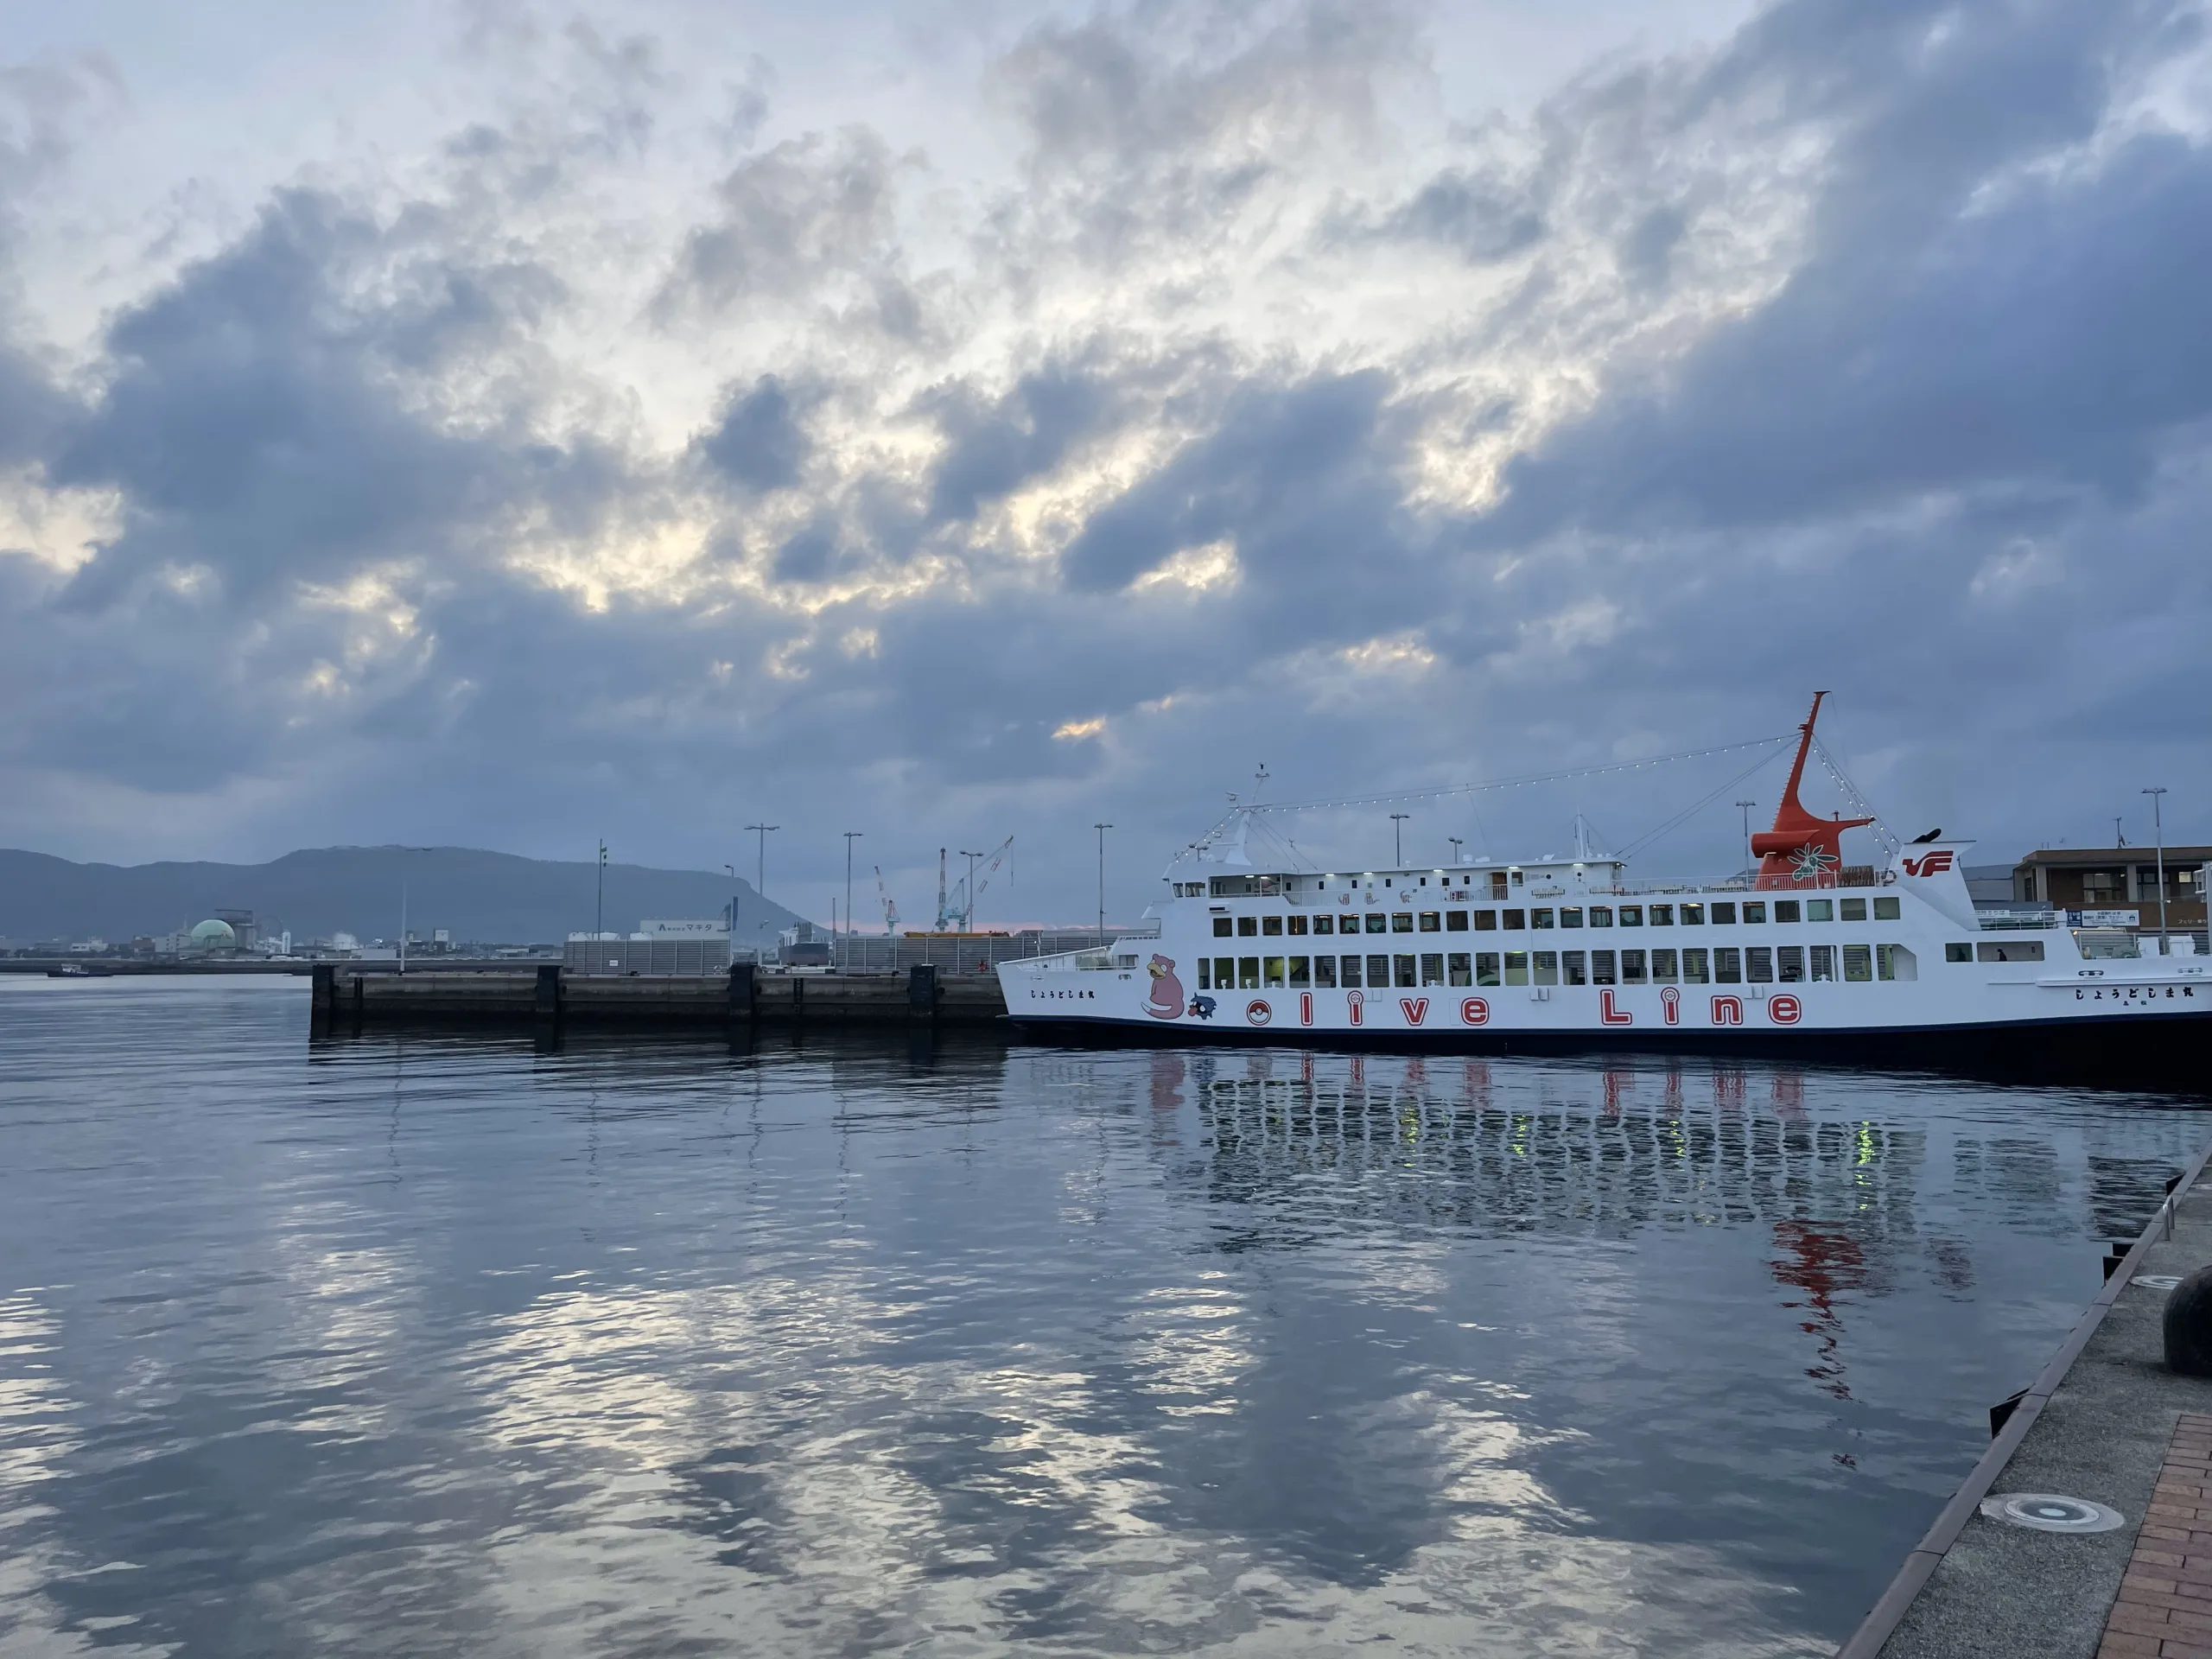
<point>890,909</point>
<point>960,904</point>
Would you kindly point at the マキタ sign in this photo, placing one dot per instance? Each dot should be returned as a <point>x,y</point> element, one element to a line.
<point>712,929</point>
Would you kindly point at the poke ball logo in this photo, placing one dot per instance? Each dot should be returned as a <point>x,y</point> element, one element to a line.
<point>1258,1012</point>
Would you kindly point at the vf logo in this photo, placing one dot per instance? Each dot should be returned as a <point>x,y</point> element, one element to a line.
<point>1929,863</point>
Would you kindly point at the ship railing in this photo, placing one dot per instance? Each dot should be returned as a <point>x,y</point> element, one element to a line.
<point>1852,875</point>
<point>2016,921</point>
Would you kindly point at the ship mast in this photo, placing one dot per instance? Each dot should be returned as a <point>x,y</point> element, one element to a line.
<point>1801,850</point>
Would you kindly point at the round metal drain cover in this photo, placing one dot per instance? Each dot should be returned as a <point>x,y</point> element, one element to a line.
<point>2158,1281</point>
<point>2049,1512</point>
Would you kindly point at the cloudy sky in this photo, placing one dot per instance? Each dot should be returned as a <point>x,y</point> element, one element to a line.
<point>510,423</point>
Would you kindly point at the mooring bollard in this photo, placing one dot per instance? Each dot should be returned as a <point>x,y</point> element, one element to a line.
<point>324,1002</point>
<point>740,990</point>
<point>2189,1324</point>
<point>921,991</point>
<point>549,990</point>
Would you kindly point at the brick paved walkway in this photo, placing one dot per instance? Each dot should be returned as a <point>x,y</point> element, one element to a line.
<point>2165,1607</point>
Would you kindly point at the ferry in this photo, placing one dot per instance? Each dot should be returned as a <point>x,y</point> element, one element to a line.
<point>1882,962</point>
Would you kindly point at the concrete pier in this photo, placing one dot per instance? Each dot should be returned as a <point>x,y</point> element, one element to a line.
<point>2106,1422</point>
<point>546,995</point>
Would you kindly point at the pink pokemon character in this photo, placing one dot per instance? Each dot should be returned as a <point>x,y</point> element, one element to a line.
<point>1167,1000</point>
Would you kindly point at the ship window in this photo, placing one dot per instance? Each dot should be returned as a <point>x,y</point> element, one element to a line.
<point>1759,964</point>
<point>1515,920</point>
<point>1631,915</point>
<point>1663,915</point>
<point>1570,916</point>
<point>1516,966</point>
<point>1885,910</point>
<point>1601,968</point>
<point>1693,967</point>
<point>1823,961</point>
<point>1486,921</point>
<point>1959,950</point>
<point>1461,974</point>
<point>1378,922</point>
<point>1819,910</point>
<point>1351,973</point>
<point>1664,971</point>
<point>1328,925</point>
<point>1854,910</point>
<point>1858,960</point>
<point>1405,966</point>
<point>1401,921</point>
<point>1723,915</point>
<point>1247,973</point>
<point>1301,972</point>
<point>1272,973</point>
<point>1248,927</point>
<point>1205,973</point>
<point>1578,970</point>
<point>1693,915</point>
<point>1224,973</point>
<point>1298,925</point>
<point>1601,915</point>
<point>1895,961</point>
<point>1272,926</point>
<point>1324,973</point>
<point>1754,913</point>
<point>1790,963</point>
<point>1432,969</point>
<point>1455,921</point>
<point>1631,967</point>
<point>2013,951</point>
<point>1785,909</point>
<point>1379,972</point>
<point>1431,922</point>
<point>1486,968</point>
<point>1727,966</point>
<point>1540,919</point>
<point>1222,927</point>
<point>1546,967</point>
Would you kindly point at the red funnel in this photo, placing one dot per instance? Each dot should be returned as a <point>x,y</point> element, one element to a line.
<point>1801,850</point>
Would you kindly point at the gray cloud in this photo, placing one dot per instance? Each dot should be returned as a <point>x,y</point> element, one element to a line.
<point>759,441</point>
<point>1931,397</point>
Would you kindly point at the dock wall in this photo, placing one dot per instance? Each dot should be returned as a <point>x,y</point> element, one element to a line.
<point>742,996</point>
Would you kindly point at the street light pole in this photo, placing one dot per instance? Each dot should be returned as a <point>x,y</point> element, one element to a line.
<point>2158,827</point>
<point>760,857</point>
<point>1747,806</point>
<point>1456,844</point>
<point>730,870</point>
<point>851,835</point>
<point>599,909</point>
<point>1398,831</point>
<point>403,852</point>
<point>1101,829</point>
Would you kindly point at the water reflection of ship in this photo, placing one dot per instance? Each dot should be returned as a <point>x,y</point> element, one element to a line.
<point>1671,1146</point>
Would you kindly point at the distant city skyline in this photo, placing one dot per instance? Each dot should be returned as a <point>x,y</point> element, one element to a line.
<point>504,426</point>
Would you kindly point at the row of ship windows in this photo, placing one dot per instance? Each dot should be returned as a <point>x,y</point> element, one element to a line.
<point>1752,914</point>
<point>1757,964</point>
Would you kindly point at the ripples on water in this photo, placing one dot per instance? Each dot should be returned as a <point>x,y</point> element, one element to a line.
<point>400,1345</point>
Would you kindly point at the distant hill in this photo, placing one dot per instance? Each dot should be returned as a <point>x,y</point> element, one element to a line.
<point>493,898</point>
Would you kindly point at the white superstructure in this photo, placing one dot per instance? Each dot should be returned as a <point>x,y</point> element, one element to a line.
<point>1808,954</point>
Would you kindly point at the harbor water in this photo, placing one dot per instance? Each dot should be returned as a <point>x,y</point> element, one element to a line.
<point>415,1342</point>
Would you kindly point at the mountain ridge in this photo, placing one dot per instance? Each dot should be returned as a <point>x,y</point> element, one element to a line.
<point>476,893</point>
